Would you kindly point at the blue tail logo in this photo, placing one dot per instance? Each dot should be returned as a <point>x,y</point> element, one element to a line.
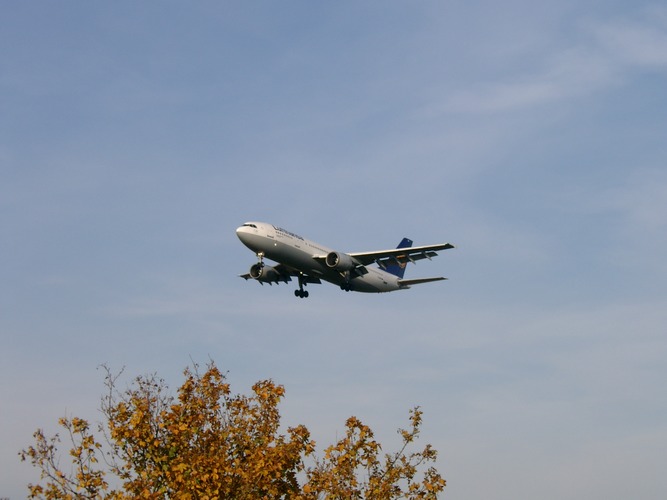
<point>398,268</point>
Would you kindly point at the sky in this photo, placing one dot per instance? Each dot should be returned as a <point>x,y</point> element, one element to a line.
<point>136,136</point>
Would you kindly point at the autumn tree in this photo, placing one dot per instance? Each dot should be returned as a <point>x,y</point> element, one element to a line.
<point>206,443</point>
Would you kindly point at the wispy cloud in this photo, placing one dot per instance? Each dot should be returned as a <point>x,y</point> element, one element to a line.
<point>639,211</point>
<point>635,43</point>
<point>641,203</point>
<point>604,55</point>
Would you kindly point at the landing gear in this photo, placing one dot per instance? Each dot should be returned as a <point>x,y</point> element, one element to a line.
<point>301,293</point>
<point>345,285</point>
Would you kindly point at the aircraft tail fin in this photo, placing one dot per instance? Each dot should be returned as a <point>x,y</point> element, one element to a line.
<point>397,268</point>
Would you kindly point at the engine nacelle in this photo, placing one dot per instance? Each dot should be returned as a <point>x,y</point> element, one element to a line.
<point>264,274</point>
<point>340,261</point>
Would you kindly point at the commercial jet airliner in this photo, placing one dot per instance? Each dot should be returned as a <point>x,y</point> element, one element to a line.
<point>311,262</point>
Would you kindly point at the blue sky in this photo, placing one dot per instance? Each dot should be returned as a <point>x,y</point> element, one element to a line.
<point>135,138</point>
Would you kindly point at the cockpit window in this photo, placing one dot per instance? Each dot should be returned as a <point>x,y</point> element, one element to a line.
<point>247,224</point>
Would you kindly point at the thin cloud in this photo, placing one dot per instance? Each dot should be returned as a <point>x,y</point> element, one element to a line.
<point>604,57</point>
<point>635,43</point>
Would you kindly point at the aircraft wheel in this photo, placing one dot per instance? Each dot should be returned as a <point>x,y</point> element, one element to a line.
<point>305,295</point>
<point>297,293</point>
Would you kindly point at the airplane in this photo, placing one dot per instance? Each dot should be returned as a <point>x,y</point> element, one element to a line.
<point>311,262</point>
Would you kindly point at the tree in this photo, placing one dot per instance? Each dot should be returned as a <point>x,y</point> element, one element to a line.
<point>208,443</point>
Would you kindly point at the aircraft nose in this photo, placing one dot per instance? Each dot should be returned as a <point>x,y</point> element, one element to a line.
<point>244,234</point>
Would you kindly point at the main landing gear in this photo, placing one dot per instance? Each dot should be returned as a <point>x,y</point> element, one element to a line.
<point>301,293</point>
<point>346,286</point>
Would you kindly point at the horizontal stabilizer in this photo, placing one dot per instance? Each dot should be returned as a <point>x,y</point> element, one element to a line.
<point>418,281</point>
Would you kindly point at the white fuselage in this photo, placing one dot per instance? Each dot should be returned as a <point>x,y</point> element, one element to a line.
<point>298,253</point>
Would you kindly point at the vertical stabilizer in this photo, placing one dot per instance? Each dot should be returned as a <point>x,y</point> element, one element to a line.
<point>398,268</point>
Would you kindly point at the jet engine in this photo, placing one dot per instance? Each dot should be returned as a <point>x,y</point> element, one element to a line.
<point>340,261</point>
<point>264,274</point>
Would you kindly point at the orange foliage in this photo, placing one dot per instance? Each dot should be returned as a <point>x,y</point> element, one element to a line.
<point>207,443</point>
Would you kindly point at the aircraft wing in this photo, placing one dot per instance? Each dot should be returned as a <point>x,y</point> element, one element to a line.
<point>310,279</point>
<point>399,255</point>
<point>284,275</point>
